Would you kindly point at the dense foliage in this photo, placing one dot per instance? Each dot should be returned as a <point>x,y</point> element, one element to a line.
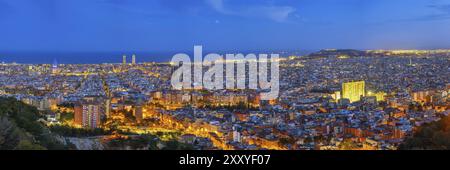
<point>432,136</point>
<point>67,131</point>
<point>20,129</point>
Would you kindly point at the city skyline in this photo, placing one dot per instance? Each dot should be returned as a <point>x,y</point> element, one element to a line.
<point>224,75</point>
<point>222,25</point>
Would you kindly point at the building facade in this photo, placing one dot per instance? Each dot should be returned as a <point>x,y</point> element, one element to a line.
<point>353,91</point>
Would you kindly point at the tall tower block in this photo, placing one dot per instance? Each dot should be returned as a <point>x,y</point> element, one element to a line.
<point>124,59</point>
<point>353,91</point>
<point>133,59</point>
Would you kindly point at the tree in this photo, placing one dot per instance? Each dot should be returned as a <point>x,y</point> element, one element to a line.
<point>435,136</point>
<point>347,145</point>
<point>67,116</point>
<point>9,134</point>
<point>20,129</point>
<point>27,145</point>
<point>286,141</point>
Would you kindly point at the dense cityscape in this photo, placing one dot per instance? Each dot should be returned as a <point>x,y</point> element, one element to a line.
<point>329,100</point>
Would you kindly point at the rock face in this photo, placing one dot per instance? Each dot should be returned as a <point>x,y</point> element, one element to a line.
<point>86,143</point>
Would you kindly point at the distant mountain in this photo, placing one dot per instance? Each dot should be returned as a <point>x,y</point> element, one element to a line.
<point>338,52</point>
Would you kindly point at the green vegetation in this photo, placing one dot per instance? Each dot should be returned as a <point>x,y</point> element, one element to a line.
<point>78,132</point>
<point>432,136</point>
<point>129,116</point>
<point>67,105</point>
<point>348,145</point>
<point>175,145</point>
<point>20,129</point>
<point>147,142</point>
<point>286,141</point>
<point>140,142</point>
<point>67,116</point>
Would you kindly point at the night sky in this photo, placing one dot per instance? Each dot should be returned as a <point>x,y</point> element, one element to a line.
<point>176,25</point>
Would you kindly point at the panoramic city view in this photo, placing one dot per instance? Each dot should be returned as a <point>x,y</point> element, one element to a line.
<point>272,75</point>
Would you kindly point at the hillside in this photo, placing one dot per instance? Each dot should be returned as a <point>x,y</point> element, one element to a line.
<point>432,136</point>
<point>20,129</point>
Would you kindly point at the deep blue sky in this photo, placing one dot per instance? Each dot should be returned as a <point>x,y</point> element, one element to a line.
<point>176,25</point>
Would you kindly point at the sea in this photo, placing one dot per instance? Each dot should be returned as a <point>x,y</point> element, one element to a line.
<point>81,57</point>
<point>100,57</point>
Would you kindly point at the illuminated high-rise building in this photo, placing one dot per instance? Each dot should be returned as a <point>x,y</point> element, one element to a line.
<point>88,113</point>
<point>421,96</point>
<point>380,96</point>
<point>353,90</point>
<point>236,134</point>
<point>133,59</point>
<point>124,59</point>
<point>337,95</point>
